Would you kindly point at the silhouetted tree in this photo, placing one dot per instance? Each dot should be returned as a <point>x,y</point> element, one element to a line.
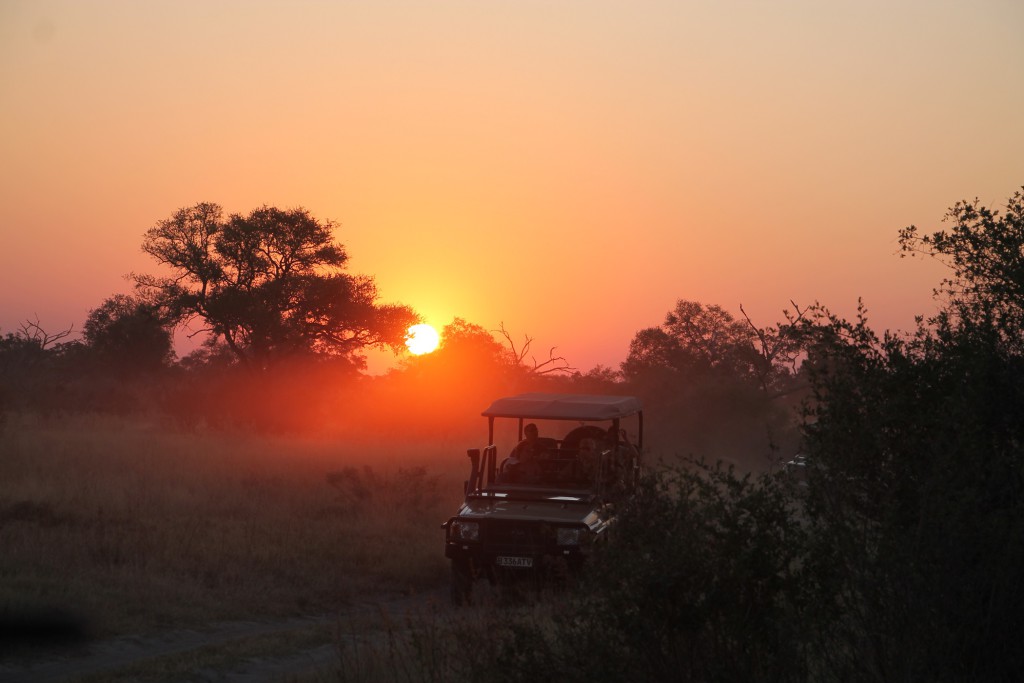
<point>468,350</point>
<point>600,379</point>
<point>694,339</point>
<point>704,339</point>
<point>985,251</point>
<point>32,341</point>
<point>710,381</point>
<point>128,333</point>
<point>269,284</point>
<point>35,367</point>
<point>472,344</point>
<point>468,361</point>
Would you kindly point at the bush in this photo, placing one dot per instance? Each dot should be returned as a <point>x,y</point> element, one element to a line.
<point>700,581</point>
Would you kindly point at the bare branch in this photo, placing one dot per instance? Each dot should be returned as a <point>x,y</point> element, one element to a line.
<point>518,356</point>
<point>774,344</point>
<point>32,331</point>
<point>556,363</point>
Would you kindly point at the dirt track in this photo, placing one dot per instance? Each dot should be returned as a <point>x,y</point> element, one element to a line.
<point>115,657</point>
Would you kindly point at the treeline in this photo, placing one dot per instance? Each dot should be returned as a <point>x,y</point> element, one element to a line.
<point>287,329</point>
<point>713,400</point>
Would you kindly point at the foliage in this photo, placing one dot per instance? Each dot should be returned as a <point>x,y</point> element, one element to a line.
<point>127,334</point>
<point>915,490</point>
<point>916,503</point>
<point>715,386</point>
<point>695,338</point>
<point>985,251</point>
<point>699,582</point>
<point>269,284</point>
<point>34,367</point>
<point>698,340</point>
<point>469,349</point>
<point>471,344</point>
<point>465,373</point>
<point>600,379</point>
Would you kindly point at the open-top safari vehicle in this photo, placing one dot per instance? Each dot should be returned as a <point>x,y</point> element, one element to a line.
<point>544,491</point>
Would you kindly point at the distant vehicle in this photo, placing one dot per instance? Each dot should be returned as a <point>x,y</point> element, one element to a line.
<point>537,510</point>
<point>796,469</point>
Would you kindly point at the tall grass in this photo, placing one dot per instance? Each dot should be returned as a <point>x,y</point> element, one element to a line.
<point>135,526</point>
<point>490,641</point>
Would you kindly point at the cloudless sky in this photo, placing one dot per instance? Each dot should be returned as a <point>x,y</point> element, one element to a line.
<point>569,169</point>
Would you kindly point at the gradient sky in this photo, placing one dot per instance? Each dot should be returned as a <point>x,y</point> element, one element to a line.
<point>569,169</point>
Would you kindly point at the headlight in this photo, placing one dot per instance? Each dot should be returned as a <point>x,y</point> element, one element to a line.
<point>465,531</point>
<point>568,535</point>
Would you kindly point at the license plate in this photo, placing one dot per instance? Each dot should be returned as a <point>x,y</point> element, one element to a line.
<point>514,561</point>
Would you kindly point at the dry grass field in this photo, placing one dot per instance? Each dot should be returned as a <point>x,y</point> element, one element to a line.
<point>137,528</point>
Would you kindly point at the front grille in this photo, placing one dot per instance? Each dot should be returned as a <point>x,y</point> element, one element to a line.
<point>514,533</point>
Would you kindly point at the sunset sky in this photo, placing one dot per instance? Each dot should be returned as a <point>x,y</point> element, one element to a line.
<point>569,169</point>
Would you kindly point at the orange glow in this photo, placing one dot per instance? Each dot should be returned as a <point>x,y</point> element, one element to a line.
<point>565,171</point>
<point>422,339</point>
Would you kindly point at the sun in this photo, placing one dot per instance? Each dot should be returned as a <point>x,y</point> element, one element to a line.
<point>422,339</point>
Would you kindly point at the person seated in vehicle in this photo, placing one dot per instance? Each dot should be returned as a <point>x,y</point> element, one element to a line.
<point>627,457</point>
<point>591,464</point>
<point>523,462</point>
<point>588,460</point>
<point>529,447</point>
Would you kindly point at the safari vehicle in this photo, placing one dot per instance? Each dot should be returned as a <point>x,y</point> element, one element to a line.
<point>539,517</point>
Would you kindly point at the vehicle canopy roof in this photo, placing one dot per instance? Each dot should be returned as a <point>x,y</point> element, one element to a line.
<point>540,406</point>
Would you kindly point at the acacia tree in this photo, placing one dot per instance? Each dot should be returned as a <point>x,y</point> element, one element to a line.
<point>270,285</point>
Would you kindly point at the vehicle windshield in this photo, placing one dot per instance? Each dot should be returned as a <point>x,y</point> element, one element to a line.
<point>572,457</point>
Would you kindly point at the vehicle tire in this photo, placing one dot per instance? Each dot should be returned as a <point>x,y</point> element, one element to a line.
<point>462,583</point>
